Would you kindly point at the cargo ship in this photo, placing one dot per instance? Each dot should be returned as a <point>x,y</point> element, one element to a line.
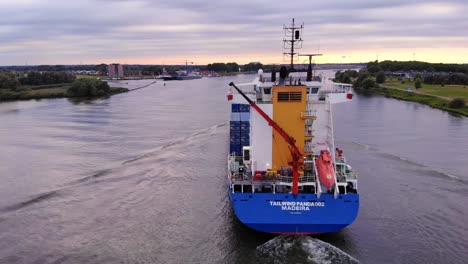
<point>285,174</point>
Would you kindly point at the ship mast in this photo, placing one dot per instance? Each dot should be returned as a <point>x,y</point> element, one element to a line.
<point>293,35</point>
<point>309,69</point>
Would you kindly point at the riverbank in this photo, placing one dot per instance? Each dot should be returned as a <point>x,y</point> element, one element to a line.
<point>447,92</point>
<point>430,100</point>
<point>47,91</point>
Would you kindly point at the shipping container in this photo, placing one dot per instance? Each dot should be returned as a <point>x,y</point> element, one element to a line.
<point>244,116</point>
<point>244,108</point>
<point>235,148</point>
<point>235,108</point>
<point>235,140</point>
<point>235,117</point>
<point>234,126</point>
<point>245,126</point>
<point>234,130</point>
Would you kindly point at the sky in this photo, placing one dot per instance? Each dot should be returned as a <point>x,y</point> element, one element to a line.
<point>36,32</point>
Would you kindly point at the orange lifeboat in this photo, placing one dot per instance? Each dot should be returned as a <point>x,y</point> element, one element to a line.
<point>325,170</point>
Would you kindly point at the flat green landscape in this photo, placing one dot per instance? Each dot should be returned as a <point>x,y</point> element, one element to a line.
<point>449,91</point>
<point>426,99</point>
<point>89,76</point>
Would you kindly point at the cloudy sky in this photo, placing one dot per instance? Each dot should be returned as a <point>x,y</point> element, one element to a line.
<point>171,32</point>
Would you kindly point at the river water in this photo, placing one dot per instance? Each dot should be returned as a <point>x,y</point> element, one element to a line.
<point>140,178</point>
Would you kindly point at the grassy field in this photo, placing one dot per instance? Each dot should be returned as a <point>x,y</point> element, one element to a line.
<point>28,93</point>
<point>90,76</point>
<point>429,100</point>
<point>448,91</point>
<point>47,92</point>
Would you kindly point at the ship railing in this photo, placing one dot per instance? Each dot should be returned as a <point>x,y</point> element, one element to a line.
<point>307,179</point>
<point>351,175</point>
<point>281,178</point>
<point>309,114</point>
<point>265,179</point>
<point>341,177</point>
<point>292,80</point>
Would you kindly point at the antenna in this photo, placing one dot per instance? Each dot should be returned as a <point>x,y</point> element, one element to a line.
<point>309,70</point>
<point>294,33</point>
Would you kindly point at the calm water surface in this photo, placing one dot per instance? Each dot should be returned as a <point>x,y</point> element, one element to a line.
<point>140,178</point>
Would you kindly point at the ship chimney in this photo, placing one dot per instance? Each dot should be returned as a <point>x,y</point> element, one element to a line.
<point>273,74</point>
<point>283,75</point>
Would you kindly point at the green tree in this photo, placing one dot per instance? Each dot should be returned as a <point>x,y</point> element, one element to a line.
<point>380,77</point>
<point>368,83</point>
<point>88,88</point>
<point>345,78</point>
<point>102,68</point>
<point>363,75</point>
<point>417,83</point>
<point>232,67</point>
<point>8,80</point>
<point>253,66</point>
<point>38,78</point>
<point>373,67</point>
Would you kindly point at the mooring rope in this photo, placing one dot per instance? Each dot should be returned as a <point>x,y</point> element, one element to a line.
<point>144,86</point>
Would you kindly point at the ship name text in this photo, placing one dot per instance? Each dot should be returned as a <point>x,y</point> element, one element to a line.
<point>296,206</point>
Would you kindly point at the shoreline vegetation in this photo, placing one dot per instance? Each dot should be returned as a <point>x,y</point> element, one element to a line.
<point>426,99</point>
<point>52,93</point>
<point>413,81</point>
<point>56,85</point>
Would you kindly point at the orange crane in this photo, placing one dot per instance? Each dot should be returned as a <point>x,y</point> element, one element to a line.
<point>295,152</point>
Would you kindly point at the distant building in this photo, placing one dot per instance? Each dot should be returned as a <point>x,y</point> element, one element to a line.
<point>115,70</point>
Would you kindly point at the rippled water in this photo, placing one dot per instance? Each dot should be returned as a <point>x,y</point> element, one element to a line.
<point>140,177</point>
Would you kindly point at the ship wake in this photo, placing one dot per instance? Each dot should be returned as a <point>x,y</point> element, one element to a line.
<point>301,249</point>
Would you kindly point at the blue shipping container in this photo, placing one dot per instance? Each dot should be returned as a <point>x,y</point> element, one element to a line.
<point>235,125</point>
<point>244,137</point>
<point>235,108</point>
<point>236,134</point>
<point>235,117</point>
<point>234,140</point>
<point>244,116</point>
<point>245,126</point>
<point>244,108</point>
<point>236,148</point>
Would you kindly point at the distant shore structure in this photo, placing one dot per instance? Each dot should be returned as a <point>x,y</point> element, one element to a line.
<point>115,70</point>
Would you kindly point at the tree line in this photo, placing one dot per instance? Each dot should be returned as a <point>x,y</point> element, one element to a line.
<point>419,66</point>
<point>372,76</point>
<point>41,78</point>
<point>8,80</point>
<point>88,88</point>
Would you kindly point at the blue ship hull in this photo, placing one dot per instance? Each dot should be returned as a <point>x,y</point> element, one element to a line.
<point>300,214</point>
